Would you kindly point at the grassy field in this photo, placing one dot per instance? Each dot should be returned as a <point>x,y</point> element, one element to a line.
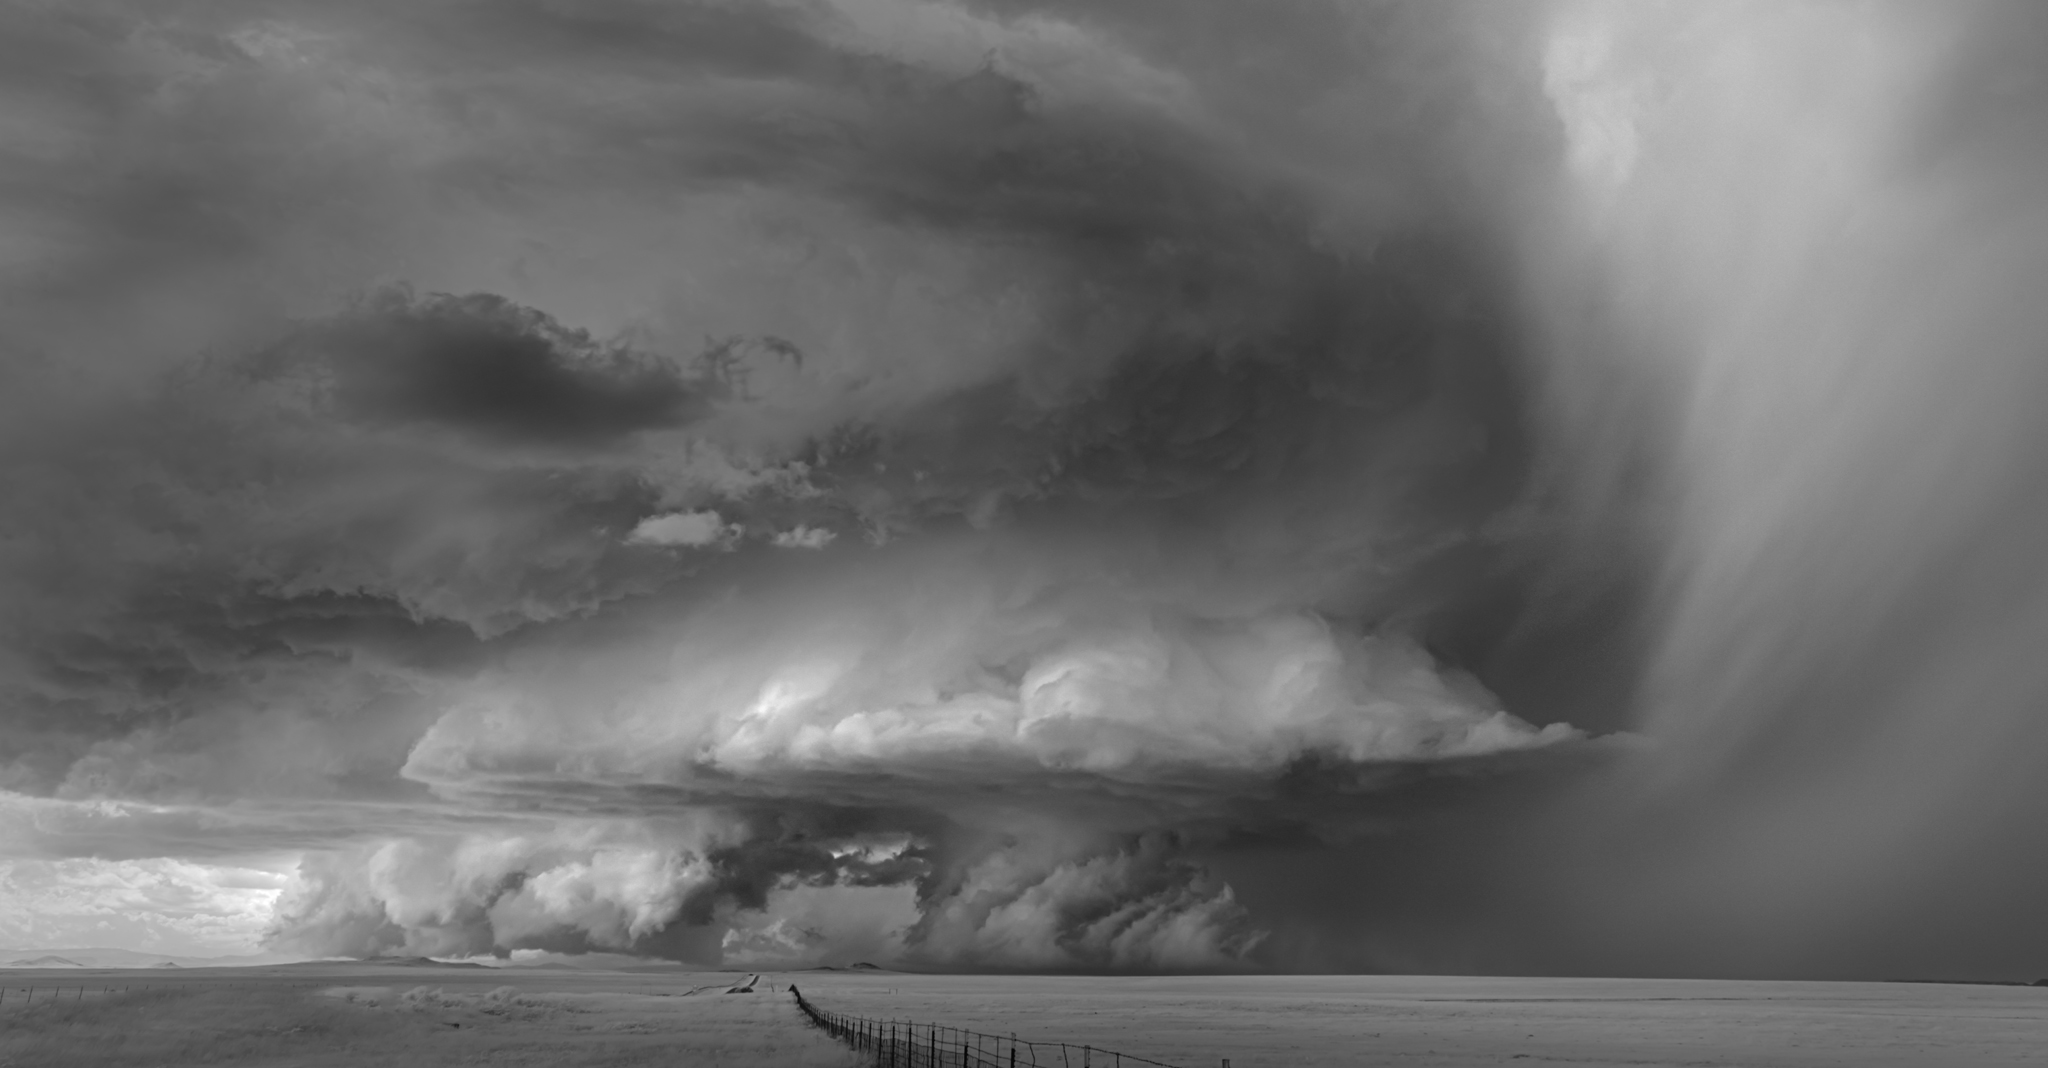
<point>335,1015</point>
<point>339,1014</point>
<point>1421,1022</point>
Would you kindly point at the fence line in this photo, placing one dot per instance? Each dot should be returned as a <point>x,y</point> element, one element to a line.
<point>904,1044</point>
<point>27,994</point>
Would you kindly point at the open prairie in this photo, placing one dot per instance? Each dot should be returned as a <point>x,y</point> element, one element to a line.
<point>321,1015</point>
<point>1452,1022</point>
<point>339,1014</point>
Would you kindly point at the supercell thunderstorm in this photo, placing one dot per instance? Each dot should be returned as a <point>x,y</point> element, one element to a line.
<point>1039,485</point>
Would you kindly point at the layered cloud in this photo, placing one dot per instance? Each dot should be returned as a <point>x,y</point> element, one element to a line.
<point>432,404</point>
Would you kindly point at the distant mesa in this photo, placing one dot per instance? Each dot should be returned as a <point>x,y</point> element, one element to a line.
<point>165,964</point>
<point>416,962</point>
<point>104,957</point>
<point>1972,982</point>
<point>863,966</point>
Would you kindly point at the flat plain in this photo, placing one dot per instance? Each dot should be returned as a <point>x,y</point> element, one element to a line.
<point>334,1015</point>
<point>1455,1022</point>
<point>405,1016</point>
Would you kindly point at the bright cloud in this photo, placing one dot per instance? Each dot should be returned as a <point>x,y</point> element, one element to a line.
<point>160,904</point>
<point>694,529</point>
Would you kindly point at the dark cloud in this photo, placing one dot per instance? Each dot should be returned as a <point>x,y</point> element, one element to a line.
<point>484,365</point>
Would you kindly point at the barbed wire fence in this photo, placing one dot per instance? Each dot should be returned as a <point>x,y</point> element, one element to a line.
<point>907,1044</point>
<point>49,992</point>
<point>27,995</point>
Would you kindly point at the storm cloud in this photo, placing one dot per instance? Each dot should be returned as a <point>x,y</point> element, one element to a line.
<point>1031,485</point>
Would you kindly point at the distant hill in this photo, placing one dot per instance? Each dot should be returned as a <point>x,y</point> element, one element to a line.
<point>102,957</point>
<point>165,964</point>
<point>46,961</point>
<point>417,962</point>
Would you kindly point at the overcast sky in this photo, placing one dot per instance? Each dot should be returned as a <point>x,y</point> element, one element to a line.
<point>1148,485</point>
